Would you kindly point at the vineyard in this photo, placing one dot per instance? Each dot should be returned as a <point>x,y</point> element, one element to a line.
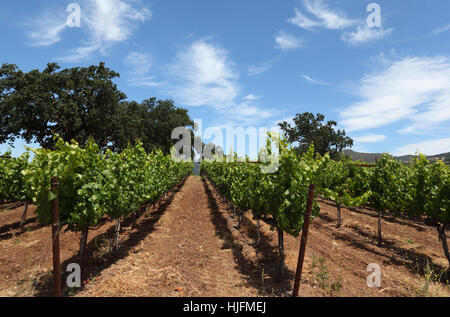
<point>91,185</point>
<point>280,198</point>
<point>258,216</point>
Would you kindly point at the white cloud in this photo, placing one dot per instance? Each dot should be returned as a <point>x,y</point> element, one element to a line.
<point>323,17</point>
<point>243,114</point>
<point>315,81</point>
<point>370,138</point>
<point>442,29</point>
<point>47,35</point>
<point>287,42</point>
<point>251,97</point>
<point>81,53</point>
<point>47,29</point>
<point>303,21</point>
<point>139,66</point>
<point>144,81</point>
<point>365,34</point>
<point>436,111</point>
<point>139,63</point>
<point>248,114</point>
<point>332,19</point>
<point>261,68</point>
<point>414,91</point>
<point>108,22</point>
<point>432,147</point>
<point>114,20</point>
<point>206,76</point>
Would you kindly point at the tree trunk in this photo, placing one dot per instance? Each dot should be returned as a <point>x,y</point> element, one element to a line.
<point>443,239</point>
<point>83,243</point>
<point>24,216</point>
<point>281,250</point>
<point>339,218</point>
<point>116,241</point>
<point>380,241</point>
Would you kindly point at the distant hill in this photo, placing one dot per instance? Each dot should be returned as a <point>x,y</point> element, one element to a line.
<point>370,157</point>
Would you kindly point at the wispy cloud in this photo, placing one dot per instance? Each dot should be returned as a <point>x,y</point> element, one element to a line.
<point>262,68</point>
<point>144,81</point>
<point>287,42</point>
<point>81,53</point>
<point>322,16</point>
<point>365,34</point>
<point>414,91</point>
<point>139,65</point>
<point>315,81</point>
<point>247,114</point>
<point>47,29</point>
<point>115,20</point>
<point>442,29</point>
<point>251,97</point>
<point>107,22</point>
<point>206,76</point>
<point>303,21</point>
<point>370,138</point>
<point>431,147</point>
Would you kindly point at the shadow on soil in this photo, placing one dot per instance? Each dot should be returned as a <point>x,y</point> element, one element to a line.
<point>9,231</point>
<point>99,260</point>
<point>326,218</point>
<point>397,219</point>
<point>417,263</point>
<point>269,261</point>
<point>10,206</point>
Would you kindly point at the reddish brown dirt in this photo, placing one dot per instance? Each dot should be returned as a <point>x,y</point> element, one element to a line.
<point>26,255</point>
<point>188,254</point>
<point>189,246</point>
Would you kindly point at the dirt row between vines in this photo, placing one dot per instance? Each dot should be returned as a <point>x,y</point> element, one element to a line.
<point>190,246</point>
<point>26,255</point>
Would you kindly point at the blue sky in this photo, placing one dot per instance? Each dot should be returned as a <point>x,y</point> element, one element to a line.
<point>254,63</point>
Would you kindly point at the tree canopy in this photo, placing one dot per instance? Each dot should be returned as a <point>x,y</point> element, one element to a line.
<point>309,129</point>
<point>78,103</point>
<point>151,121</point>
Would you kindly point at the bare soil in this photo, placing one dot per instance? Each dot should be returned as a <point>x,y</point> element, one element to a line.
<point>189,245</point>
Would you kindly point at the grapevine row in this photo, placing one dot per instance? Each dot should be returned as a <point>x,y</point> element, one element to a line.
<point>421,188</point>
<point>278,198</point>
<point>92,184</point>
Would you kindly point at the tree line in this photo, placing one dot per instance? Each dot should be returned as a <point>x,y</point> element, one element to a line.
<point>82,102</point>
